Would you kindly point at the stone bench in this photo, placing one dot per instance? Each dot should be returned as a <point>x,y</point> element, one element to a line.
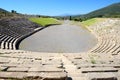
<point>79,66</point>
<point>54,76</point>
<point>10,65</point>
<point>105,46</point>
<point>33,76</point>
<point>4,60</point>
<point>98,69</point>
<point>112,47</point>
<point>100,45</point>
<point>109,45</point>
<point>115,48</point>
<point>30,65</point>
<point>48,75</point>
<point>45,69</point>
<point>12,75</point>
<point>3,68</point>
<point>101,76</point>
<point>17,69</point>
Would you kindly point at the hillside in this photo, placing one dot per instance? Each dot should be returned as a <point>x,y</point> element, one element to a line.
<point>109,11</point>
<point>4,13</point>
<point>2,10</point>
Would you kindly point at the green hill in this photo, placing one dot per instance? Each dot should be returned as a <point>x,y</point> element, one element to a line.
<point>2,10</point>
<point>109,11</point>
<point>13,13</point>
<point>4,13</point>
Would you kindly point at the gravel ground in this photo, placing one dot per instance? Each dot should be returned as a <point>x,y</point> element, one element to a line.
<point>64,38</point>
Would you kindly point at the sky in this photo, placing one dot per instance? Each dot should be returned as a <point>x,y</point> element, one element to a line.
<point>55,7</point>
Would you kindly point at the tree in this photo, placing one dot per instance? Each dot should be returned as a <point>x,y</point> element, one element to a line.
<point>70,18</point>
<point>13,11</point>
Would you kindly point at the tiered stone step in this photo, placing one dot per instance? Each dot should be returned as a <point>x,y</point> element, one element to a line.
<point>31,65</point>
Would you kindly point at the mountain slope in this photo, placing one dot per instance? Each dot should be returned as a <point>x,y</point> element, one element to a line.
<point>4,13</point>
<point>109,11</point>
<point>2,10</point>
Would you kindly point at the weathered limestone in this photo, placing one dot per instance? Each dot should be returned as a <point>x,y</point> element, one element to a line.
<point>4,60</point>
<point>45,69</point>
<point>12,75</point>
<point>97,65</point>
<point>101,76</point>
<point>17,69</point>
<point>15,30</point>
<point>108,36</point>
<point>30,65</point>
<point>98,69</point>
<point>54,76</point>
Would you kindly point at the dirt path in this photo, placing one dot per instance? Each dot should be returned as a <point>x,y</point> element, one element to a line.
<point>60,38</point>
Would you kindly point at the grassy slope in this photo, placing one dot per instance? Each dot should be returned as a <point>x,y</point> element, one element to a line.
<point>109,11</point>
<point>91,21</point>
<point>87,23</point>
<point>44,21</point>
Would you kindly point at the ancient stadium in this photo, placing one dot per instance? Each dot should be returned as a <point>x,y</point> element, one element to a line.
<point>101,62</point>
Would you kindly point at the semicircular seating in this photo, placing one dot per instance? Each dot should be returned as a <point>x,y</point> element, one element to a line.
<point>13,29</point>
<point>108,37</point>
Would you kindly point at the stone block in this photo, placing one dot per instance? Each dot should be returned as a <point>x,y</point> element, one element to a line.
<point>54,75</point>
<point>45,69</point>
<point>101,76</point>
<point>98,69</point>
<point>17,69</point>
<point>12,75</point>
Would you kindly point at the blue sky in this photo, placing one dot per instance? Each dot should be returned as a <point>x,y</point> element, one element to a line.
<point>54,7</point>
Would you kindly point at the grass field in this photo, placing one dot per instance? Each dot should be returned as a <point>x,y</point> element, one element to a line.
<point>91,21</point>
<point>87,23</point>
<point>45,21</point>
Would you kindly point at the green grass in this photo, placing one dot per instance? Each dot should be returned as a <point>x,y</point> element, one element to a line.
<point>88,23</point>
<point>45,21</point>
<point>92,58</point>
<point>93,61</point>
<point>91,22</point>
